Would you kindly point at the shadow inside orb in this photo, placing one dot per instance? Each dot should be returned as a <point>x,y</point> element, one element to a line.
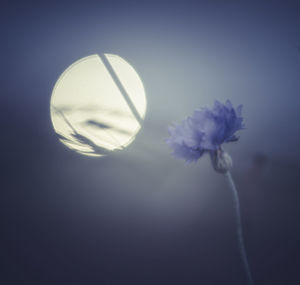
<point>100,125</point>
<point>80,139</point>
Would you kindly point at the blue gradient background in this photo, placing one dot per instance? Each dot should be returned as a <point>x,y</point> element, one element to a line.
<point>140,216</point>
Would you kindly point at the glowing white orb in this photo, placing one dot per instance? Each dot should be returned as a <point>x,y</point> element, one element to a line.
<point>98,105</point>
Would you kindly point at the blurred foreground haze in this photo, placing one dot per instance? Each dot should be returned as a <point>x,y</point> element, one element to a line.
<point>139,216</point>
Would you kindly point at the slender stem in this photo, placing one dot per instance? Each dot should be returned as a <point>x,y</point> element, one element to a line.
<point>240,238</point>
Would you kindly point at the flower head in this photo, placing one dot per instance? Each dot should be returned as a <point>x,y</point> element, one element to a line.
<point>205,131</point>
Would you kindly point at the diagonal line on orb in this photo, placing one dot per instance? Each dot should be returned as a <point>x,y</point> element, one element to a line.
<point>121,88</point>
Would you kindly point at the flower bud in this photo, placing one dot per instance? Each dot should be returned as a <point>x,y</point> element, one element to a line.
<point>221,161</point>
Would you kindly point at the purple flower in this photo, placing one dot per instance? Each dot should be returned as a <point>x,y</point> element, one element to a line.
<point>205,131</point>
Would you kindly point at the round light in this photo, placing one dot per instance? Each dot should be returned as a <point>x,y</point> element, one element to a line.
<point>98,105</point>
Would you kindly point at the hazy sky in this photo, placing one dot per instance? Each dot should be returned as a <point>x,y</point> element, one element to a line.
<point>140,216</point>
